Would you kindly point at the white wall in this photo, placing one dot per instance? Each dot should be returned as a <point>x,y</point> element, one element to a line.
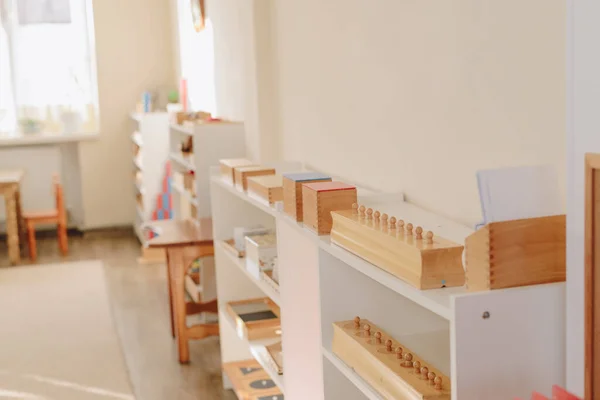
<point>583,137</point>
<point>418,95</point>
<point>134,51</point>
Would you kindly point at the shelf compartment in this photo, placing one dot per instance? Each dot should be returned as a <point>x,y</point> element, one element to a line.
<point>184,161</point>
<point>261,355</point>
<point>352,376</point>
<point>239,262</point>
<point>137,139</point>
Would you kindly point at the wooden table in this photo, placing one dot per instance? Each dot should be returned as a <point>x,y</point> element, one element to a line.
<point>184,241</point>
<point>10,181</point>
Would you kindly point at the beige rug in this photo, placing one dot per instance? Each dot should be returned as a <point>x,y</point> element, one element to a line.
<point>57,336</point>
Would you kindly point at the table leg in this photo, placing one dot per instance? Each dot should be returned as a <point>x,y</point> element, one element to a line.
<point>170,294</point>
<point>12,228</point>
<point>20,220</point>
<point>177,269</point>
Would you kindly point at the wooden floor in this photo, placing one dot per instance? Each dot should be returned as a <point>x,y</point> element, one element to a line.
<point>139,298</point>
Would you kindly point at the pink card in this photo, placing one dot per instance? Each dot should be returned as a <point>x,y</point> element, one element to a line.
<point>559,393</point>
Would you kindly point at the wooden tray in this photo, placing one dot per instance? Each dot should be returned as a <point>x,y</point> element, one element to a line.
<point>230,246</point>
<point>250,381</point>
<point>255,318</point>
<point>386,364</point>
<point>276,360</point>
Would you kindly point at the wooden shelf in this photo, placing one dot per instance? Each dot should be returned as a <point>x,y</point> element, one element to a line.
<point>241,264</point>
<point>261,354</point>
<point>352,376</point>
<point>183,162</point>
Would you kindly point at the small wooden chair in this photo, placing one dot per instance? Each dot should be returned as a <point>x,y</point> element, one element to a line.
<point>57,216</point>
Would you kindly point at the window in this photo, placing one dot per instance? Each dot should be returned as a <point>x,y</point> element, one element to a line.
<point>47,68</point>
<point>197,60</point>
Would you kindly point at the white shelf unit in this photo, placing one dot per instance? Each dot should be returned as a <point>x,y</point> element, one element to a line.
<point>518,349</point>
<point>150,142</point>
<point>211,142</point>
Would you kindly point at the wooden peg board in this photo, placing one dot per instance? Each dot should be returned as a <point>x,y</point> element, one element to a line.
<point>381,368</point>
<point>422,263</point>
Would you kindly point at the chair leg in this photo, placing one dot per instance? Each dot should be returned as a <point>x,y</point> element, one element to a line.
<point>63,243</point>
<point>31,241</point>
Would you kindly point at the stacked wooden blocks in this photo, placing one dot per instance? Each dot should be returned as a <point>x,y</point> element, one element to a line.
<point>228,167</point>
<point>243,173</point>
<point>386,364</point>
<point>516,253</point>
<point>292,191</point>
<point>399,248</point>
<point>319,199</point>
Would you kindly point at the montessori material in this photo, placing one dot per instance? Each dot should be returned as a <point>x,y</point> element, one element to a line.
<point>255,318</point>
<point>292,191</point>
<point>419,258</point>
<point>251,382</point>
<point>267,189</point>
<point>261,254</point>
<point>319,199</point>
<point>516,253</point>
<point>243,173</point>
<point>228,167</point>
<point>386,364</point>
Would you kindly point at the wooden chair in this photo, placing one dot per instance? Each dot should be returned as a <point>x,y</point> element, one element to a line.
<point>57,216</point>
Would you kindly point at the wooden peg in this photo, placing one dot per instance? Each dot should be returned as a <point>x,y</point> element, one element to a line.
<point>424,372</point>
<point>400,224</point>
<point>388,345</point>
<point>354,208</point>
<point>369,213</point>
<point>392,222</point>
<point>429,237</point>
<point>377,214</point>
<point>399,353</point>
<point>419,233</point>
<point>437,383</point>
<point>384,219</point>
<point>417,367</point>
<point>367,329</point>
<point>378,337</point>
<point>431,377</point>
<point>357,322</point>
<point>361,211</point>
<point>407,363</point>
<point>409,228</point>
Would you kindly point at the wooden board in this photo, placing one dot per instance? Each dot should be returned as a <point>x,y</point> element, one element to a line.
<point>516,253</point>
<point>180,232</point>
<point>592,277</point>
<point>398,249</point>
<point>372,353</point>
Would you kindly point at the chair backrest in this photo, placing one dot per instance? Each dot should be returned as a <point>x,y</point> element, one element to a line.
<point>60,200</point>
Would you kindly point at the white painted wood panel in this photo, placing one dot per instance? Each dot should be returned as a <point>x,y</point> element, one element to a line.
<point>519,349</point>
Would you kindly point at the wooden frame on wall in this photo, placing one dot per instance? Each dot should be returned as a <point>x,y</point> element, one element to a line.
<point>592,276</point>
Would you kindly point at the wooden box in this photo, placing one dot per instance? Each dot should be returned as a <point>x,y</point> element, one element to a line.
<point>251,382</point>
<point>319,199</point>
<point>387,365</point>
<point>516,253</point>
<point>243,173</point>
<point>261,253</point>
<point>228,167</point>
<point>255,318</point>
<point>267,189</point>
<point>417,257</point>
<point>292,191</point>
